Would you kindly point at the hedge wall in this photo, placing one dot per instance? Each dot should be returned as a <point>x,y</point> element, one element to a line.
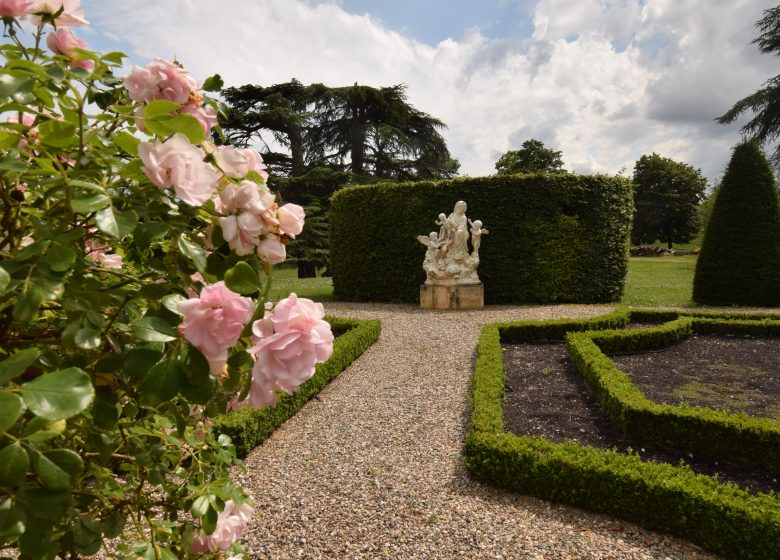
<point>720,517</point>
<point>553,238</point>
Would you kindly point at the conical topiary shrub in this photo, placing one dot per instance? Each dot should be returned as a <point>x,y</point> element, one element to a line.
<point>739,263</point>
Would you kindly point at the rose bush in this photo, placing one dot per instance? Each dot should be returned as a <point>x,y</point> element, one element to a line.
<point>135,256</point>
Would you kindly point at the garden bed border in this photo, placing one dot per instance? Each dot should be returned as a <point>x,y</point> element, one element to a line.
<point>249,427</point>
<point>720,517</point>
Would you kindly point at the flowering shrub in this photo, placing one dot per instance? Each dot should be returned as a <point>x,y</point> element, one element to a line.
<point>135,258</point>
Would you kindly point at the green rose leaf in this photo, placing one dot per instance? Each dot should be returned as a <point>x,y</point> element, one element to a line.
<point>154,329</point>
<point>200,506</point>
<point>115,223</point>
<point>146,232</point>
<point>87,339</point>
<point>11,407</point>
<point>5,280</point>
<point>45,504</point>
<point>187,125</point>
<point>58,468</point>
<point>13,464</point>
<point>59,395</point>
<point>59,134</point>
<point>12,520</point>
<point>39,430</point>
<point>87,535</point>
<point>160,107</point>
<point>138,361</point>
<point>242,279</point>
<point>60,258</point>
<point>89,203</point>
<point>11,84</point>
<point>162,382</point>
<point>213,83</point>
<point>192,251</point>
<point>17,363</point>
<point>172,301</point>
<point>127,143</point>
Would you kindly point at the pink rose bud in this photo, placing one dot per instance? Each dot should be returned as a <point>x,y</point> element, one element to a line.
<point>177,163</point>
<point>256,163</point>
<point>72,14</point>
<point>14,8</point>
<point>271,250</point>
<point>62,41</point>
<point>291,219</point>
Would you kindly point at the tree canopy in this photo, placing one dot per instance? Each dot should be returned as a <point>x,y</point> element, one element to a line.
<point>532,157</point>
<point>666,196</point>
<point>315,139</point>
<point>370,132</point>
<point>764,126</point>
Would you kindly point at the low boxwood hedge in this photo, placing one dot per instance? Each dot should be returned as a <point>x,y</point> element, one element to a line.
<point>249,427</point>
<point>720,517</point>
<point>718,434</point>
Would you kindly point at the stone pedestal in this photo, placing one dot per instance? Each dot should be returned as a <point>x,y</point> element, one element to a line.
<point>457,296</point>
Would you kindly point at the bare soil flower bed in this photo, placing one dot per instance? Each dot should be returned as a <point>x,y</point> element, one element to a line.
<point>546,397</point>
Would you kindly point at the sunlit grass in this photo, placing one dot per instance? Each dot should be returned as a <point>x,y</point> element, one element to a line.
<point>285,280</point>
<point>660,281</point>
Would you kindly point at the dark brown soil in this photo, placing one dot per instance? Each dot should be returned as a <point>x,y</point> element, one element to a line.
<point>547,397</point>
<point>735,374</point>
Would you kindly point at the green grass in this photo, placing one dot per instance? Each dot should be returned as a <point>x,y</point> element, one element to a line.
<point>285,280</point>
<point>660,281</point>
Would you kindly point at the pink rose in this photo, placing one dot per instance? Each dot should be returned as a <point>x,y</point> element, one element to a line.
<point>14,8</point>
<point>72,14</point>
<point>242,232</point>
<point>177,163</point>
<point>206,116</point>
<point>213,322</point>
<point>159,80</point>
<point>291,219</point>
<point>288,341</point>
<point>231,161</point>
<point>231,524</point>
<point>271,249</point>
<point>96,252</point>
<point>252,210</point>
<point>256,163</point>
<point>62,41</point>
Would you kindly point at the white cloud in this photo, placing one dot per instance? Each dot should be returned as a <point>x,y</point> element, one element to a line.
<point>605,81</point>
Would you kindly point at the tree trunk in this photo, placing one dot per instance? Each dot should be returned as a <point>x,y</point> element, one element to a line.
<point>296,151</point>
<point>357,139</point>
<point>306,269</point>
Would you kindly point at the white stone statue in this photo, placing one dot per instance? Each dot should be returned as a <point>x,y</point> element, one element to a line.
<point>448,260</point>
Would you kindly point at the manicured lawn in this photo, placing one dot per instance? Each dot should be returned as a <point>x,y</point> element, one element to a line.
<point>660,281</point>
<point>285,280</point>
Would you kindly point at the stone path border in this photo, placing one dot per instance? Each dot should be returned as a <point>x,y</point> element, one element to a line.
<point>372,468</point>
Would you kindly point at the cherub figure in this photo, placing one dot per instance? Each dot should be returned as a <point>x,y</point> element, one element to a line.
<point>476,234</point>
<point>430,263</point>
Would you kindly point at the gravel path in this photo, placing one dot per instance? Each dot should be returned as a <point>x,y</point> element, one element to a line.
<point>372,469</point>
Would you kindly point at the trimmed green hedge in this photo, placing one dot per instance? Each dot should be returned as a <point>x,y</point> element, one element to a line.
<point>548,234</point>
<point>721,435</point>
<point>249,427</point>
<point>739,263</point>
<point>720,517</point>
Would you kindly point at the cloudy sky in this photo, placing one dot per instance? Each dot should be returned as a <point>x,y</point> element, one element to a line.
<point>604,81</point>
